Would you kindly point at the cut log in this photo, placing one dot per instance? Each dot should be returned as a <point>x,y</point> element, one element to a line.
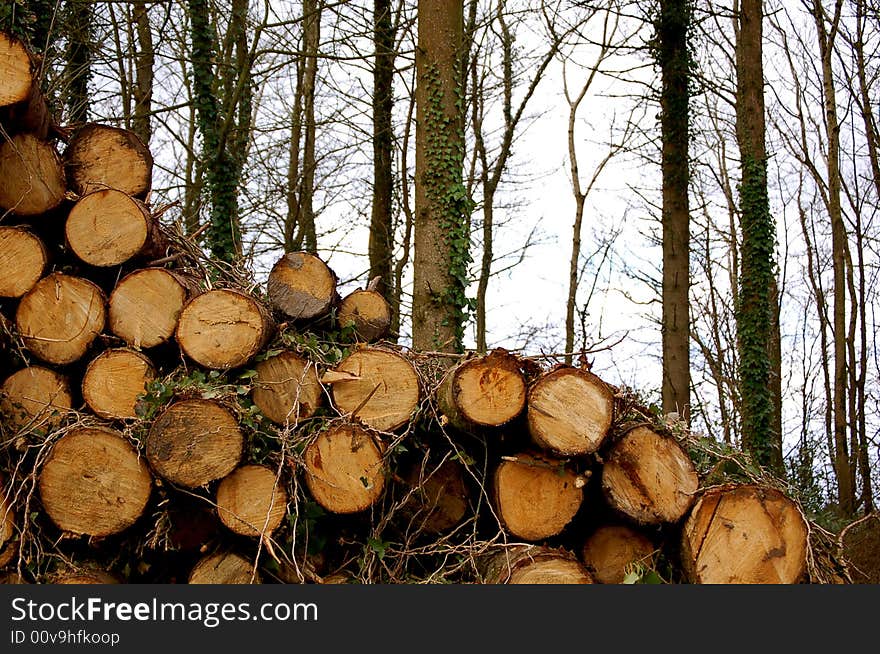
<point>301,286</point>
<point>193,442</point>
<point>376,386</point>
<point>487,391</point>
<point>16,70</point>
<point>23,259</point>
<point>569,411</point>
<point>91,574</point>
<point>94,482</point>
<point>145,306</point>
<point>60,317</point>
<point>536,496</point>
<point>223,328</point>
<point>22,105</point>
<point>224,568</point>
<point>611,551</point>
<point>286,388</point>
<point>31,176</point>
<point>440,498</point>
<point>344,469</point>
<point>35,398</point>
<point>366,313</point>
<point>107,228</point>
<point>251,501</point>
<point>101,156</point>
<point>649,477</point>
<point>8,530</point>
<point>744,534</point>
<point>535,564</point>
<point>113,381</point>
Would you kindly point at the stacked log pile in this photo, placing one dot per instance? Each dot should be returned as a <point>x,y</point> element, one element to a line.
<point>166,420</point>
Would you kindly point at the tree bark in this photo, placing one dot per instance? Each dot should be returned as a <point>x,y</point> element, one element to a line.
<point>442,234</point>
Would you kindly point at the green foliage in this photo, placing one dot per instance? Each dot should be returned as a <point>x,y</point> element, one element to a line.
<point>19,19</point>
<point>755,313</point>
<point>449,200</point>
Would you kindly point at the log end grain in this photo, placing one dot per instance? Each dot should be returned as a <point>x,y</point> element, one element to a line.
<point>345,469</point>
<point>366,313</point>
<point>145,306</point>
<point>536,497</point>
<point>612,550</point>
<point>251,501</point>
<point>16,71</point>
<point>376,386</point>
<point>744,534</point>
<point>649,477</point>
<point>286,388</point>
<point>107,228</point>
<point>102,156</point>
<point>94,482</point>
<point>31,176</point>
<point>224,568</point>
<point>35,398</point>
<point>535,565</point>
<point>60,317</point>
<point>569,411</point>
<point>194,442</point>
<point>301,286</point>
<point>223,328</point>
<point>114,380</point>
<point>23,259</point>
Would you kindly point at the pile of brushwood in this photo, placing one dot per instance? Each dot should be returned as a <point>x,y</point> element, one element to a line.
<point>165,418</point>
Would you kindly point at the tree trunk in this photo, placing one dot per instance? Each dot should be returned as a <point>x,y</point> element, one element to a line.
<point>366,313</point>
<point>23,260</point>
<point>35,398</point>
<point>31,176</point>
<point>94,482</point>
<point>223,328</point>
<point>649,477</point>
<point>673,26</point>
<point>251,502</point>
<point>193,442</point>
<point>60,317</point>
<point>302,286</point>
<point>144,59</point>
<point>344,469</point>
<point>536,496</point>
<point>487,391</point>
<point>757,319</point>
<point>379,387</point>
<point>107,228</point>
<point>611,551</point>
<point>145,306</point>
<point>442,234</point>
<point>381,244</point>
<point>101,156</point>
<point>569,411</point>
<point>744,534</point>
<point>78,59</point>
<point>535,564</point>
<point>224,568</point>
<point>113,381</point>
<point>286,388</point>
